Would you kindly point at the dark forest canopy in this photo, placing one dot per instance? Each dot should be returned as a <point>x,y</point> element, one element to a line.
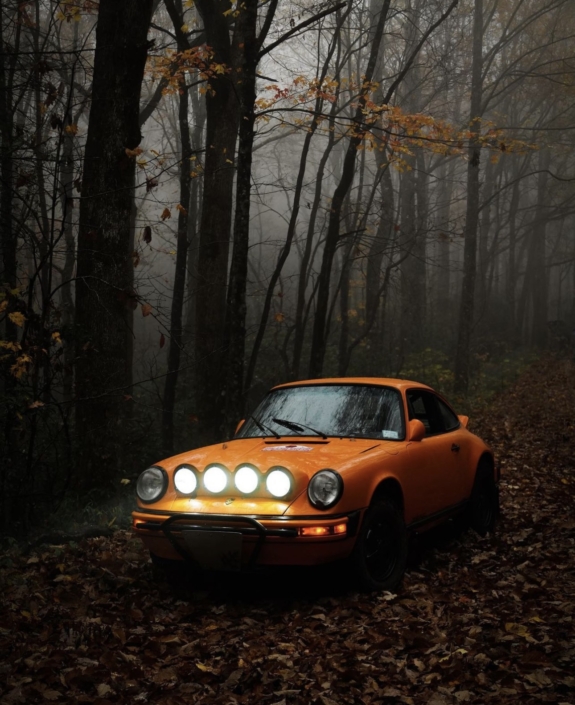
<point>199,200</point>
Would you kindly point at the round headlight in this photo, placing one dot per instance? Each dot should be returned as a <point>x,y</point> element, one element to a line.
<point>152,484</point>
<point>185,480</point>
<point>325,489</point>
<point>246,479</point>
<point>278,483</point>
<point>215,479</point>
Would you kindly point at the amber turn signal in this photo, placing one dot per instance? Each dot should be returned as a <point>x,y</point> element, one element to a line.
<point>337,529</point>
<point>314,531</point>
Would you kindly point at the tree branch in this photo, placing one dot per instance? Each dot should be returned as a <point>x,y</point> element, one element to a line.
<point>300,26</point>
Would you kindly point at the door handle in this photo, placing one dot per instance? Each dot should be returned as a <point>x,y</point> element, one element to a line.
<point>455,447</point>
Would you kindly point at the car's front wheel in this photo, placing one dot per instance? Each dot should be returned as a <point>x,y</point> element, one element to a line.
<point>484,501</point>
<point>380,553</point>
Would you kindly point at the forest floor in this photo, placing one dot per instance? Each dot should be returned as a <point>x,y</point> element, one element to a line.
<point>478,620</point>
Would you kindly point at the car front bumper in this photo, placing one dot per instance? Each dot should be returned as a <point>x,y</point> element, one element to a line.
<point>246,541</point>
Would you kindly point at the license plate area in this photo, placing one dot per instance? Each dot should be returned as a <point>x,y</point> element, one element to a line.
<point>215,550</point>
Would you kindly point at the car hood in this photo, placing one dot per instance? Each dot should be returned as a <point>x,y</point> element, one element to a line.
<point>297,455</point>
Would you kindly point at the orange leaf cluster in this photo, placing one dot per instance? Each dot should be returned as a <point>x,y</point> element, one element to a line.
<point>174,65</point>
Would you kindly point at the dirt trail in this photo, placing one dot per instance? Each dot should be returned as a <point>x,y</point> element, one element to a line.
<point>478,620</point>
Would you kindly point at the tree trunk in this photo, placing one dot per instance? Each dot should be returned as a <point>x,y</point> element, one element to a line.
<point>176,323</point>
<point>8,242</point>
<point>8,57</point>
<point>443,272</point>
<point>467,304</point>
<point>379,245</point>
<point>104,288</point>
<point>511,275</point>
<point>222,120</point>
<point>67,306</point>
<point>538,273</point>
<point>194,215</point>
<point>414,210</point>
<point>236,306</point>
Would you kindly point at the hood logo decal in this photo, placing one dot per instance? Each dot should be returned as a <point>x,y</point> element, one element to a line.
<point>292,448</point>
<point>230,500</point>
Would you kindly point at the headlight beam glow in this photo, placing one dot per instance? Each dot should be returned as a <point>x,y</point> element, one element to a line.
<point>185,480</point>
<point>246,479</point>
<point>215,479</point>
<point>278,483</point>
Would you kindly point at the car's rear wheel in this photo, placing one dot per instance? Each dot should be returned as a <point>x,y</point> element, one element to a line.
<point>484,501</point>
<point>380,553</point>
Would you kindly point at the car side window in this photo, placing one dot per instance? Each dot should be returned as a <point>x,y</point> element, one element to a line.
<point>450,420</point>
<point>423,405</point>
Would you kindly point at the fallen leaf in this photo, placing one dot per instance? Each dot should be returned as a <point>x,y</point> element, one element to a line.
<point>517,629</point>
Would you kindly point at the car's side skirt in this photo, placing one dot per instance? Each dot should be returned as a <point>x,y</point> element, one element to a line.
<point>423,522</point>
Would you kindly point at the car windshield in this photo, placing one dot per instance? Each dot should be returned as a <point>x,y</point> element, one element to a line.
<point>342,410</point>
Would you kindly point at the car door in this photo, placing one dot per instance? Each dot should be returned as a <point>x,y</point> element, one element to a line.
<point>432,463</point>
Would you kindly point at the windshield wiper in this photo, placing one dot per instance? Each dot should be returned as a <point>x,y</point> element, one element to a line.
<point>265,429</point>
<point>298,427</point>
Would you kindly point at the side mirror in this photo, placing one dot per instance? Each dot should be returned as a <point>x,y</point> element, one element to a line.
<point>416,430</point>
<point>240,424</point>
<point>463,420</point>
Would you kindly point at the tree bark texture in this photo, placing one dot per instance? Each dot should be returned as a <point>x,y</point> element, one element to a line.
<point>175,10</point>
<point>236,303</point>
<point>222,120</point>
<point>412,248</point>
<point>467,305</point>
<point>178,292</point>
<point>104,287</point>
<point>379,247</point>
<point>537,256</point>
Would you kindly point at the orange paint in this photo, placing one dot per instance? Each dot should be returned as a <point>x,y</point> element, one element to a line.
<point>429,475</point>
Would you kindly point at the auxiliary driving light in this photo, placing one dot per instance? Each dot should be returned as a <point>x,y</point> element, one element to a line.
<point>278,483</point>
<point>215,479</point>
<point>246,479</point>
<point>185,480</point>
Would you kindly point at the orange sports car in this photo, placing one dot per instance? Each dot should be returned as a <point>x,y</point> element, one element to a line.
<point>324,470</point>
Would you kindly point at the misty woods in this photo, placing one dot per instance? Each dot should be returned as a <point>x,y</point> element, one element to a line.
<point>201,199</point>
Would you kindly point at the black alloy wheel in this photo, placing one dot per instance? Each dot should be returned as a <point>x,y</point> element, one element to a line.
<point>380,554</point>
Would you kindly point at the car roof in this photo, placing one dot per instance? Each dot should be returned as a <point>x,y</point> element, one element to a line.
<point>401,384</point>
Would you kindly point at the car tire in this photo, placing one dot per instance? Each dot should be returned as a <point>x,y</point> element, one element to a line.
<point>380,554</point>
<point>484,501</point>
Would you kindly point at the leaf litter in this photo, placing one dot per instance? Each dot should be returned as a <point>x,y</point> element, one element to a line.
<point>478,620</point>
